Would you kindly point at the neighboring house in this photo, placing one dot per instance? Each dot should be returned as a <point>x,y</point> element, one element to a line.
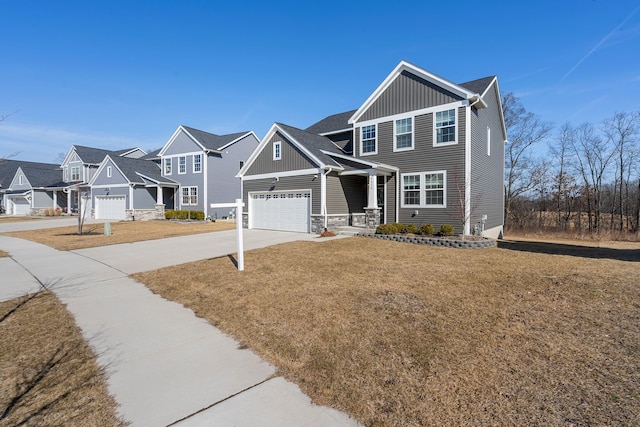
<point>80,165</point>
<point>419,150</point>
<point>125,188</point>
<point>205,165</point>
<point>30,188</point>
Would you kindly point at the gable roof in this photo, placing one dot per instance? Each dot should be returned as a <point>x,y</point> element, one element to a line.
<point>403,66</point>
<point>38,174</point>
<point>211,141</point>
<point>479,85</point>
<point>134,170</point>
<point>332,124</point>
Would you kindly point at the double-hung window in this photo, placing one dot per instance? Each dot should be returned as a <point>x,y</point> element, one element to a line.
<point>424,190</point>
<point>182,165</point>
<point>368,140</point>
<point>445,127</point>
<point>167,166</point>
<point>75,173</point>
<point>277,150</point>
<point>197,163</point>
<point>189,196</point>
<point>403,130</point>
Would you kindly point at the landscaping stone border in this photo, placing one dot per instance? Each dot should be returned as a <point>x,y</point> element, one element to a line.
<point>435,241</point>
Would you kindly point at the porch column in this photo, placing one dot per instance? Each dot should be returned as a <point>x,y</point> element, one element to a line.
<point>372,198</point>
<point>55,199</point>
<point>159,196</point>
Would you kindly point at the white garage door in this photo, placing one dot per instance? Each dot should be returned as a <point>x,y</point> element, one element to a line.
<point>20,206</point>
<point>285,211</point>
<point>110,207</point>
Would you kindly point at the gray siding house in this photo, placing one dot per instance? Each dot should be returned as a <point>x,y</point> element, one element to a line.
<point>205,166</point>
<point>130,189</point>
<point>419,150</point>
<point>81,164</point>
<point>28,188</point>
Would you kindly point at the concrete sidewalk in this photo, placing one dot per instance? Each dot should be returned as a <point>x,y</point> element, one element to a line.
<point>165,366</point>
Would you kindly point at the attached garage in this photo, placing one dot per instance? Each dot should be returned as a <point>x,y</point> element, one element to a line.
<point>284,211</point>
<point>111,207</point>
<point>20,206</point>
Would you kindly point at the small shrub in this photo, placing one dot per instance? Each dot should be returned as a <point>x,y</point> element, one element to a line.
<point>409,229</point>
<point>447,230</point>
<point>426,230</point>
<point>386,229</point>
<point>184,214</point>
<point>397,227</point>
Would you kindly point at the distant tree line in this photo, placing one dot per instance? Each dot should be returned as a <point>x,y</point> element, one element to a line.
<point>587,182</point>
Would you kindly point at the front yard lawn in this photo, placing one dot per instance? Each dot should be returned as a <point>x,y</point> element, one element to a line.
<point>66,238</point>
<point>398,334</point>
<point>48,374</point>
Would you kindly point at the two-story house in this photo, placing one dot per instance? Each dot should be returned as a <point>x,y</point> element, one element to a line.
<point>421,149</point>
<point>205,166</point>
<point>80,165</point>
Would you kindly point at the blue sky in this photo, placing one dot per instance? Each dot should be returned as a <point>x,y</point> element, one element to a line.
<point>118,74</point>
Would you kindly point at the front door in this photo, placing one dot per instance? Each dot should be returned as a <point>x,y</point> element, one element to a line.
<point>381,199</point>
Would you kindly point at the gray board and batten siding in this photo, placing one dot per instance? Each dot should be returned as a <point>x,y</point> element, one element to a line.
<point>291,158</point>
<point>405,94</point>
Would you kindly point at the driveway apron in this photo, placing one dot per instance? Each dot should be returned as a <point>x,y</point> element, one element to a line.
<point>165,366</point>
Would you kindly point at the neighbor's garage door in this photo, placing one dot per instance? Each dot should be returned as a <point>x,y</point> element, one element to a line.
<point>285,211</point>
<point>110,207</point>
<point>21,206</point>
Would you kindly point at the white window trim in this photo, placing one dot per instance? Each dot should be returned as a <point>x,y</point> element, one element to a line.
<point>79,173</point>
<point>277,151</point>
<point>488,141</point>
<point>185,165</point>
<point>423,189</point>
<point>194,163</point>
<point>369,153</point>
<point>435,130</point>
<point>189,195</point>
<point>20,180</point>
<point>109,171</point>
<point>413,134</point>
<point>164,166</point>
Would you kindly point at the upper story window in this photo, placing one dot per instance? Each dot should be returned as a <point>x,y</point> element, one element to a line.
<point>20,180</point>
<point>109,172</point>
<point>66,174</point>
<point>368,140</point>
<point>197,163</point>
<point>488,141</point>
<point>167,166</point>
<point>403,130</point>
<point>277,150</point>
<point>445,127</point>
<point>75,173</point>
<point>424,189</point>
<point>182,165</point>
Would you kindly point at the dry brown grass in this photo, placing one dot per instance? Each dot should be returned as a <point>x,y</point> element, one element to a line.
<point>4,219</point>
<point>48,374</point>
<point>3,254</point>
<point>66,238</point>
<point>400,335</point>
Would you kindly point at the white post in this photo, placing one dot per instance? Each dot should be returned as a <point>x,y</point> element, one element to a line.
<point>239,205</point>
<point>373,190</point>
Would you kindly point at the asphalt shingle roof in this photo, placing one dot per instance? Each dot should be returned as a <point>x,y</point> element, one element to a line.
<point>332,123</point>
<point>314,143</point>
<point>212,141</point>
<point>131,167</point>
<point>38,174</point>
<point>479,85</point>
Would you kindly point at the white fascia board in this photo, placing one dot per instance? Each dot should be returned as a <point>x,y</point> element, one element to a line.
<point>67,157</point>
<point>174,136</point>
<point>238,139</point>
<point>406,66</point>
<point>132,150</point>
<point>298,172</point>
<point>103,165</point>
<point>303,149</point>
<point>499,98</point>
<point>257,151</point>
<point>373,165</point>
<point>333,132</point>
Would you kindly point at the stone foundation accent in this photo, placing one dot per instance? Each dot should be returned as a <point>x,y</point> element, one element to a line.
<point>358,220</point>
<point>372,218</point>
<point>435,241</point>
<point>144,214</point>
